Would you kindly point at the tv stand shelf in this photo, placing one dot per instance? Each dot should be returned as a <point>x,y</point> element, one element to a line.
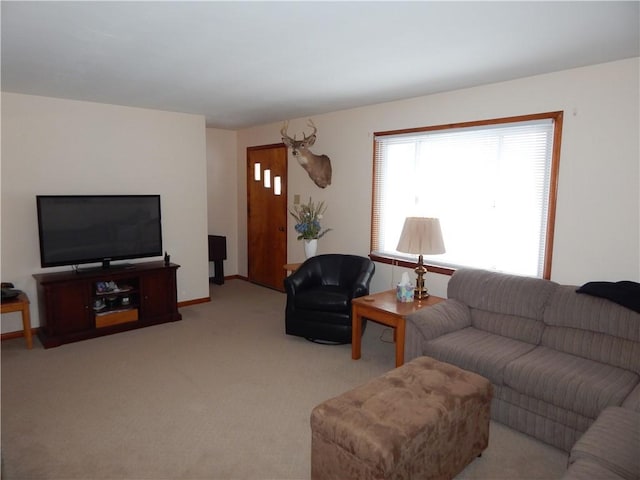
<point>76,306</point>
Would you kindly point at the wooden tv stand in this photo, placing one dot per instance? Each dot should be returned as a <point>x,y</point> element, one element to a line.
<point>77,306</point>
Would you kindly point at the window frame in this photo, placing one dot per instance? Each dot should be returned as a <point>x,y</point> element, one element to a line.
<point>555,116</point>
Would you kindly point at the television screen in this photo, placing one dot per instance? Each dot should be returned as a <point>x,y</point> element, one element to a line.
<point>77,229</point>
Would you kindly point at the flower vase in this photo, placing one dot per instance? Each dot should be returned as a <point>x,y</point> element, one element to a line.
<point>310,247</point>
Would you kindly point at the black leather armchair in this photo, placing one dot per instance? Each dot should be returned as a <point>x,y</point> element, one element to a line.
<point>319,296</point>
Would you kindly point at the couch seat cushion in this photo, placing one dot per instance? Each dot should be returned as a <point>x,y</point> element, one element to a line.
<point>479,351</point>
<point>568,381</point>
<point>327,298</point>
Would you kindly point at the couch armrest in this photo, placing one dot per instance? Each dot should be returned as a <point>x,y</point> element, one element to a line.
<point>432,322</point>
<point>632,402</point>
<point>612,441</point>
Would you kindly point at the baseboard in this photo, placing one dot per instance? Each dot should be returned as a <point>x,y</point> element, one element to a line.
<point>195,301</point>
<point>17,334</point>
<point>237,277</point>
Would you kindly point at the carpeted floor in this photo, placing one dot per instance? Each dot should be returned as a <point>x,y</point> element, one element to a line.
<point>223,394</point>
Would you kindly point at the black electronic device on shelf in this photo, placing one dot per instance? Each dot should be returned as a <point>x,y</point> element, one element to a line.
<point>8,292</point>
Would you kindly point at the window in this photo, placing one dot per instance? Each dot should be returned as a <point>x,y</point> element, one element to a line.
<point>491,183</point>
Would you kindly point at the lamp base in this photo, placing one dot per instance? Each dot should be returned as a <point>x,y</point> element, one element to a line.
<point>420,294</point>
<point>420,291</point>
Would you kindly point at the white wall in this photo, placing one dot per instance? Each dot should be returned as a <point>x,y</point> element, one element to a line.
<point>222,198</point>
<point>59,146</point>
<point>597,235</point>
<point>54,146</point>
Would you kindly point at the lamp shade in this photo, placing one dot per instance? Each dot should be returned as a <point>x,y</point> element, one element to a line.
<point>421,235</point>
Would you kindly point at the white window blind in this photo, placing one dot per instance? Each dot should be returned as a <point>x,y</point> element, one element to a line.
<point>488,185</point>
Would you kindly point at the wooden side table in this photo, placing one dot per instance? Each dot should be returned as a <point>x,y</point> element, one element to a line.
<point>384,308</point>
<point>20,304</point>
<point>291,267</point>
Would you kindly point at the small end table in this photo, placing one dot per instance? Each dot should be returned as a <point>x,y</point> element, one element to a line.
<point>20,304</point>
<point>384,308</point>
<point>291,267</point>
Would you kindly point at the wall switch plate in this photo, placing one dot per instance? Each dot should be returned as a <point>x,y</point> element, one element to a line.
<point>296,199</point>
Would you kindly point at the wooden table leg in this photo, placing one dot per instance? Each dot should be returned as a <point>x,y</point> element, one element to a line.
<point>21,304</point>
<point>356,332</point>
<point>399,334</point>
<point>26,325</point>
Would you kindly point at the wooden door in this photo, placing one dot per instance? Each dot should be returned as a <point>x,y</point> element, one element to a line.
<point>267,215</point>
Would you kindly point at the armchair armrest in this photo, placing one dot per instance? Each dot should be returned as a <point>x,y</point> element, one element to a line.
<point>308,275</point>
<point>432,322</point>
<point>299,280</point>
<point>360,287</point>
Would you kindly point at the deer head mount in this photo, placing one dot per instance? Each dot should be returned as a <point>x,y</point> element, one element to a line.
<point>317,166</point>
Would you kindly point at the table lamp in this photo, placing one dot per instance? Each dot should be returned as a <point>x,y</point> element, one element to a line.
<point>421,235</point>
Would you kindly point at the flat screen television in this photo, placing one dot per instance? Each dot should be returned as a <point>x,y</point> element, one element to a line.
<point>80,229</point>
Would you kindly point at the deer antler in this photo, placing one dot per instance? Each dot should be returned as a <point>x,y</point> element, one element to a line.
<point>317,166</point>
<point>283,131</point>
<point>312,125</point>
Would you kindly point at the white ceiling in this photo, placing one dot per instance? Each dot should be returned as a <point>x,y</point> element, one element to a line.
<point>249,63</point>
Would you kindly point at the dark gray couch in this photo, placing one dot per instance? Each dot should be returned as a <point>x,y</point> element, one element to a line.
<point>556,358</point>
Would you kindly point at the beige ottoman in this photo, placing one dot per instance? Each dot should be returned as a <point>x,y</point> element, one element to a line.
<point>425,419</point>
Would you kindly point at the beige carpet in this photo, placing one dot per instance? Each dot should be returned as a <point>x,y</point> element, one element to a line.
<point>223,394</point>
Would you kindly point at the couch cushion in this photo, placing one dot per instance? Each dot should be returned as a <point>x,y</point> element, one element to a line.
<point>512,326</point>
<point>568,381</point>
<point>600,347</point>
<point>612,441</point>
<point>574,310</point>
<point>592,328</point>
<point>501,293</point>
<point>481,352</point>
<point>328,298</point>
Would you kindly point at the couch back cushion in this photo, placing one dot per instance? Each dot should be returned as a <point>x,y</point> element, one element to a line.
<point>510,326</point>
<point>593,328</point>
<point>507,305</point>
